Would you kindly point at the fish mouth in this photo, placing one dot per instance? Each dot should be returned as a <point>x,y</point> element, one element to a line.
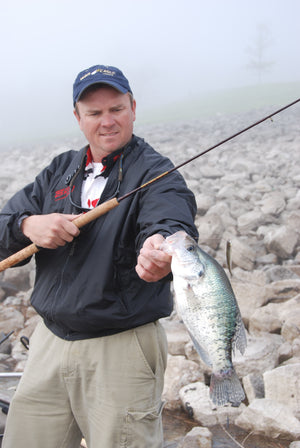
<point>166,247</point>
<point>170,244</point>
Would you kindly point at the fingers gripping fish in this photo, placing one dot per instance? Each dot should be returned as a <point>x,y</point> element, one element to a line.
<point>209,310</point>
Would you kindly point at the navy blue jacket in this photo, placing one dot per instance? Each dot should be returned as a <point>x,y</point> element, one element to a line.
<point>89,287</point>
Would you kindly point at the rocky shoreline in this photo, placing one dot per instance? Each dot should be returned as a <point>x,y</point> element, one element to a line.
<point>247,192</point>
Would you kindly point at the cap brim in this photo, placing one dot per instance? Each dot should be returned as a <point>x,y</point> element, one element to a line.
<point>111,84</point>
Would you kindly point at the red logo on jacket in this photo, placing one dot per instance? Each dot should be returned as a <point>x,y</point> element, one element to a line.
<point>63,193</point>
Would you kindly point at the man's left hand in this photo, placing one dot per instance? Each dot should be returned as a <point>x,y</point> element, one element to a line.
<point>153,264</point>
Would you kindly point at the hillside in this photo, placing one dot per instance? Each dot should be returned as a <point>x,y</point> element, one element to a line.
<point>227,101</point>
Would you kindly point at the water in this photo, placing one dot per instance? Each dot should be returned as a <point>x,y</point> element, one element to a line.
<point>177,424</point>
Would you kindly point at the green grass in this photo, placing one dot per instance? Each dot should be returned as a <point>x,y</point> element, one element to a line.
<point>228,101</point>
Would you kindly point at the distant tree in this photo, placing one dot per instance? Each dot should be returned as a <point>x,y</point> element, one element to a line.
<point>259,50</point>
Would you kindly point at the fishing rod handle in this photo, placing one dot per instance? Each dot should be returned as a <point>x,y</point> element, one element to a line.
<point>81,221</point>
<point>18,257</point>
<point>93,214</point>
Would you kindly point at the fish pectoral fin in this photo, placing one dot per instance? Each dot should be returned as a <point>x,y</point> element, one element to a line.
<point>201,351</point>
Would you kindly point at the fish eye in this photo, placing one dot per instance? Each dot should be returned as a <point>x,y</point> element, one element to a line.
<point>190,248</point>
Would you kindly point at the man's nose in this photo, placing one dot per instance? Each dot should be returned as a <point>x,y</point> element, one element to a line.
<point>107,120</point>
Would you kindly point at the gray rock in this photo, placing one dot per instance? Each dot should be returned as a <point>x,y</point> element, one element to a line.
<point>226,192</point>
<point>293,221</point>
<point>210,229</point>
<point>180,371</point>
<point>294,203</point>
<point>8,289</point>
<point>211,172</point>
<point>10,319</point>
<point>282,241</point>
<point>295,268</point>
<point>276,273</point>
<point>282,290</point>
<point>269,418</point>
<point>198,437</point>
<point>18,277</point>
<point>222,210</point>
<point>296,347</point>
<point>250,221</point>
<point>294,445</point>
<point>2,422</point>
<point>272,317</point>
<point>267,259</point>
<point>242,255</point>
<point>177,336</point>
<point>285,352</point>
<point>262,186</point>
<point>273,203</point>
<point>261,354</point>
<point>12,301</point>
<point>254,386</point>
<point>254,277</point>
<point>195,400</point>
<point>291,327</point>
<point>249,297</point>
<point>265,319</point>
<point>204,203</point>
<point>5,346</point>
<point>283,385</point>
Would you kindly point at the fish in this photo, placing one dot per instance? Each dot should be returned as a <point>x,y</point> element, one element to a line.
<point>209,310</point>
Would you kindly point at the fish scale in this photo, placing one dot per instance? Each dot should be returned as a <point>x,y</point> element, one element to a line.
<point>207,305</point>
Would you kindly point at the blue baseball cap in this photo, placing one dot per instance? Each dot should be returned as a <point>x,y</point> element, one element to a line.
<point>99,74</point>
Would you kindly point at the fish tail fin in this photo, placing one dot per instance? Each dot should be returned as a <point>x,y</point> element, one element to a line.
<point>225,387</point>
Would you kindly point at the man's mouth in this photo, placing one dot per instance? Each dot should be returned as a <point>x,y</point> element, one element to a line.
<point>109,134</point>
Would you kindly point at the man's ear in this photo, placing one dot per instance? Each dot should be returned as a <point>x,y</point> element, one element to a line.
<point>77,115</point>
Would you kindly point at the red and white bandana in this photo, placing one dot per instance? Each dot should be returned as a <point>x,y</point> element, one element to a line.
<point>93,183</point>
<point>95,177</point>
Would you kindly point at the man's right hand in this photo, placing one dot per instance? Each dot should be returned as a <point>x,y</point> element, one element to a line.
<point>50,231</point>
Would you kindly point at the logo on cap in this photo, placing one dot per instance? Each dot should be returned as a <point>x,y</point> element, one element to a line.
<point>99,70</point>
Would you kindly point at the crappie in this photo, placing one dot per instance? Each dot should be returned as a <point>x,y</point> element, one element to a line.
<point>209,310</point>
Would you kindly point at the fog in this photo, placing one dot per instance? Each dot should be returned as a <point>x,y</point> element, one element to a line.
<point>169,49</point>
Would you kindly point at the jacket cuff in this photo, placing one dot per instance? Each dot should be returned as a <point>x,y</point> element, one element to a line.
<point>18,234</point>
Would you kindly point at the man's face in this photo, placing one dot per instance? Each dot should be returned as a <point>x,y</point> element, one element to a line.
<point>106,118</point>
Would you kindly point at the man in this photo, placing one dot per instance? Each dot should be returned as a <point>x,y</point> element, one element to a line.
<point>97,359</point>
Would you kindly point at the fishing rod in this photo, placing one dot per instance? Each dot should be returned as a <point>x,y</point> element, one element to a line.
<point>104,208</point>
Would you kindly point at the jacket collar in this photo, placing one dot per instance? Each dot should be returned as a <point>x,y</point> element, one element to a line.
<point>75,172</point>
<point>107,162</point>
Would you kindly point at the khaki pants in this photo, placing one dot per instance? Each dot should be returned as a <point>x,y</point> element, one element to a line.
<point>107,390</point>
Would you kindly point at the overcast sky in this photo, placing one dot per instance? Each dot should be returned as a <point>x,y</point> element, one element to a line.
<point>168,49</point>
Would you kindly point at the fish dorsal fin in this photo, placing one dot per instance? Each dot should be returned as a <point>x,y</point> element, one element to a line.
<point>239,339</point>
<point>201,351</point>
